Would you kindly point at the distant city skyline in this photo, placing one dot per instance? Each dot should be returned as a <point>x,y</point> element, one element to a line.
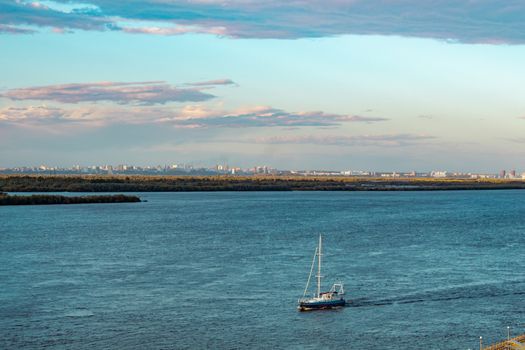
<point>303,85</point>
<point>232,169</point>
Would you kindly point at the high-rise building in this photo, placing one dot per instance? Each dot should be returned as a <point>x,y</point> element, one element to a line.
<point>502,174</point>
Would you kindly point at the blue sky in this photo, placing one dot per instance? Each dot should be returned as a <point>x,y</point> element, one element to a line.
<point>379,85</point>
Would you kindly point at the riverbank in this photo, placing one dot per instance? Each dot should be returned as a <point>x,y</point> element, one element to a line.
<point>123,183</point>
<point>39,199</point>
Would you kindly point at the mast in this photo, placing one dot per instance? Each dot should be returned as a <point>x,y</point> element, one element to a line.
<point>319,254</point>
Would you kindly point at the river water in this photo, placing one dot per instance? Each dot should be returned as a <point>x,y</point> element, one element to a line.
<point>424,270</point>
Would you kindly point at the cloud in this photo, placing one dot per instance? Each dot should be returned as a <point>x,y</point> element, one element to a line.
<point>5,29</point>
<point>394,140</point>
<point>213,82</point>
<point>84,115</point>
<point>487,21</point>
<point>175,30</point>
<point>32,114</point>
<point>154,92</point>
<point>193,117</point>
<point>266,117</point>
<point>33,13</point>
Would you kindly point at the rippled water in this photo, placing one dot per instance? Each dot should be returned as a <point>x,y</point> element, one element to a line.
<point>425,270</point>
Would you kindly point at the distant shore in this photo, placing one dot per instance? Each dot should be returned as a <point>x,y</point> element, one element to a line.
<point>39,199</point>
<point>139,183</point>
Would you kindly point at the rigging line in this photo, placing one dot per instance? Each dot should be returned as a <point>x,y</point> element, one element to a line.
<point>310,275</point>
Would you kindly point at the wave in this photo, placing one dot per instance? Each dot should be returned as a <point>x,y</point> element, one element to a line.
<point>79,312</point>
<point>470,291</point>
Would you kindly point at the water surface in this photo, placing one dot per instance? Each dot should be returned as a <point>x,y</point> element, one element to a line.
<point>425,270</point>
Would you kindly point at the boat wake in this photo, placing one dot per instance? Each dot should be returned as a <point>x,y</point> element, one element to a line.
<point>472,291</point>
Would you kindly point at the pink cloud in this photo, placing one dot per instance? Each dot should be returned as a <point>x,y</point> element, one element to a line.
<point>191,116</point>
<point>148,92</point>
<point>176,30</point>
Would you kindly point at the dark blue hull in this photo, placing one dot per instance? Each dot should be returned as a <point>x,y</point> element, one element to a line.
<point>320,305</point>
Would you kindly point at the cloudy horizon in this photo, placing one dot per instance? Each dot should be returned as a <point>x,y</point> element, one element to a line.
<point>397,85</point>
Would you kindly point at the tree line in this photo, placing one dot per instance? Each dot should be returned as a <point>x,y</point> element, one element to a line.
<point>39,199</point>
<point>116,183</point>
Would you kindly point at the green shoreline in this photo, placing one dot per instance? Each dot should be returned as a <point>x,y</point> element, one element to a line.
<point>139,183</point>
<point>40,199</point>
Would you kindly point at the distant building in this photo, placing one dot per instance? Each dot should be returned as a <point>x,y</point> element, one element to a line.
<point>439,174</point>
<point>502,174</point>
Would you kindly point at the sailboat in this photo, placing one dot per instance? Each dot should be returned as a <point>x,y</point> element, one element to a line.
<point>321,300</point>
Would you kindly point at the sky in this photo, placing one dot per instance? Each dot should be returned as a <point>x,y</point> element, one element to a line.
<point>334,84</point>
